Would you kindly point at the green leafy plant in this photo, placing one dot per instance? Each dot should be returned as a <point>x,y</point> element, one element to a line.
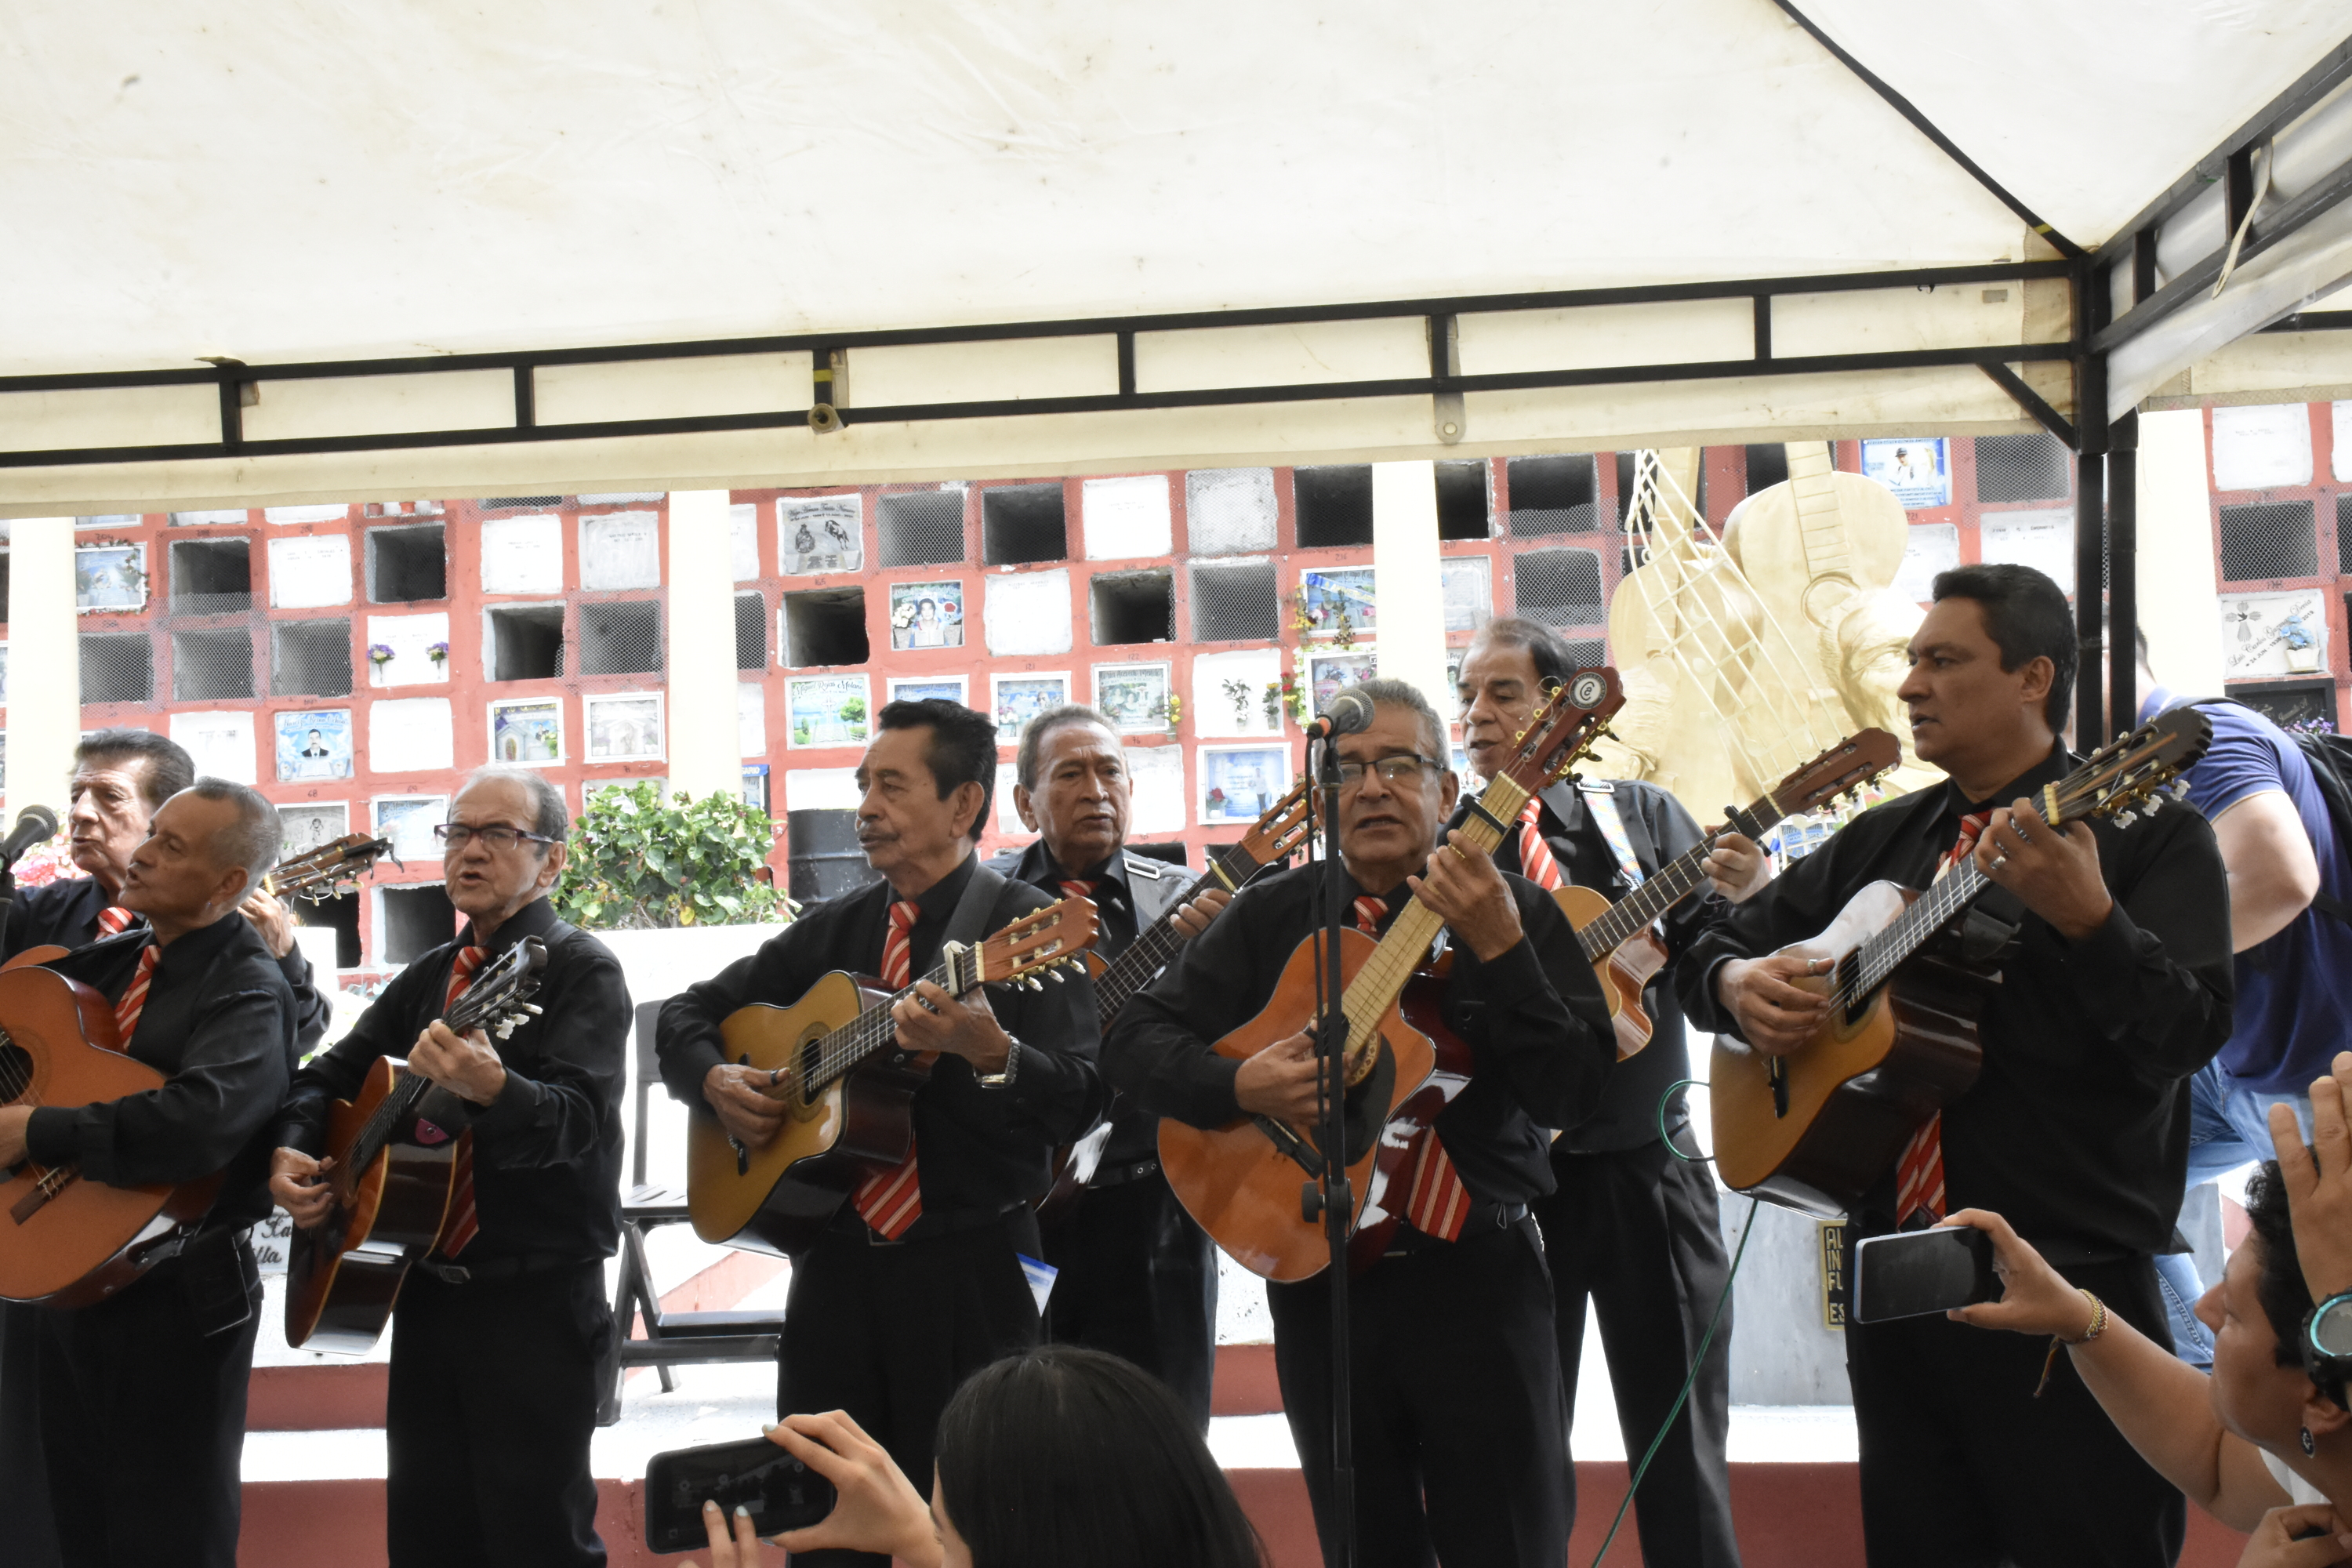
<point>639,862</point>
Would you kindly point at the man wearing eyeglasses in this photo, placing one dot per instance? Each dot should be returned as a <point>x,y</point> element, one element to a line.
<point>1458,1421</point>
<point>500,1332</point>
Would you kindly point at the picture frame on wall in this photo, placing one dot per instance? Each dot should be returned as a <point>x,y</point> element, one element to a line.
<point>313,744</point>
<point>926,614</point>
<point>955,689</point>
<point>1239,782</point>
<point>311,825</point>
<point>2292,705</point>
<point>1336,601</point>
<point>1917,469</point>
<point>826,711</point>
<point>1328,672</point>
<point>1133,697</point>
<point>110,578</point>
<point>1017,698</point>
<point>816,534</point>
<point>408,820</point>
<point>527,730</point>
<point>623,726</point>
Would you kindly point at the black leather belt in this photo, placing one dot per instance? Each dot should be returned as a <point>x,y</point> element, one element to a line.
<point>1482,1218</point>
<point>508,1266</point>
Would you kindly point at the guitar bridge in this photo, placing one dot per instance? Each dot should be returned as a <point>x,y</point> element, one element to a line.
<point>1302,1153</point>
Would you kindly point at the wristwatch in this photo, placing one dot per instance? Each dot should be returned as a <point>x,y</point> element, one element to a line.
<point>1012,1068</point>
<point>2327,1340</point>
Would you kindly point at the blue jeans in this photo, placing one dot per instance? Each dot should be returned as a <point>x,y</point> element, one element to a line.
<point>2229,1126</point>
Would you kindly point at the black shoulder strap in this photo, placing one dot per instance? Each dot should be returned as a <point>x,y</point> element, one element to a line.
<point>970,922</point>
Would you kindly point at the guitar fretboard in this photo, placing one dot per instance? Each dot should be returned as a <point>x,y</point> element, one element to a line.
<point>474,1008</point>
<point>1674,882</point>
<point>872,1030</point>
<point>1150,951</point>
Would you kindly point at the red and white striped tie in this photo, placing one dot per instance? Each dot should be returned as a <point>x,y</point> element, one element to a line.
<point>1536,862</point>
<point>134,996</point>
<point>1919,1174</point>
<point>114,920</point>
<point>1077,888</point>
<point>463,1224</point>
<point>890,1201</point>
<point>1435,1201</point>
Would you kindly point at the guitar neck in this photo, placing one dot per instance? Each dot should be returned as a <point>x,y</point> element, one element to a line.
<point>1152,950</point>
<point>377,1133</point>
<point>872,1030</point>
<point>1674,882</point>
<point>1884,952</point>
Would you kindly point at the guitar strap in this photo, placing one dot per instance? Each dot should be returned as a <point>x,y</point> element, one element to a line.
<point>1600,799</point>
<point>970,922</point>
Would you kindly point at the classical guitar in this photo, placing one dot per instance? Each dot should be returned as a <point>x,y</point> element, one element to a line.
<point>1241,1181</point>
<point>1618,939</point>
<point>1271,838</point>
<point>331,869</point>
<point>392,1194</point>
<point>1814,1129</point>
<point>832,1060</point>
<point>67,1241</point>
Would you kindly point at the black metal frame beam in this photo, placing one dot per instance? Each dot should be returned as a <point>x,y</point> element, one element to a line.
<point>1440,382</point>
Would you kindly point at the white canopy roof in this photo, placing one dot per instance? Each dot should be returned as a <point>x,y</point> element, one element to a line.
<point>281,181</point>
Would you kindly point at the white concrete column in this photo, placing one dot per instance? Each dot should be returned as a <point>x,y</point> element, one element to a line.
<point>2177,590</point>
<point>43,663</point>
<point>1408,589</point>
<point>700,667</point>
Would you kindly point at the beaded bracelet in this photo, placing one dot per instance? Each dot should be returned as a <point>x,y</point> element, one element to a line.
<point>2098,1326</point>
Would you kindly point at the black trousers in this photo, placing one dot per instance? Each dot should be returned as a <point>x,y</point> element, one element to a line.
<point>142,1413</point>
<point>1636,1233</point>
<point>890,1332</point>
<point>29,1538</point>
<point>1139,1280</point>
<point>1460,1433</point>
<point>1961,1465</point>
<point>492,1401</point>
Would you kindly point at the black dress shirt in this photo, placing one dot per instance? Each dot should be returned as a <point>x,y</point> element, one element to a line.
<point>1127,902</point>
<point>547,1150</point>
<point>63,913</point>
<point>2077,1128</point>
<point>980,1150</point>
<point>1660,831</point>
<point>1534,1020</point>
<point>218,1023</point>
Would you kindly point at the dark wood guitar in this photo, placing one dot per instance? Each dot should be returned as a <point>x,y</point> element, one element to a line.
<point>1271,839</point>
<point>330,869</point>
<point>69,1241</point>
<point>1618,939</point>
<point>391,1195</point>
<point>832,1060</point>
<point>1815,1129</point>
<point>1241,1181</point>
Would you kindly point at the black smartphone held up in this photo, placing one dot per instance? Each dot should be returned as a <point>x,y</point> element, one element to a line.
<point>781,1492</point>
<point>1922,1271</point>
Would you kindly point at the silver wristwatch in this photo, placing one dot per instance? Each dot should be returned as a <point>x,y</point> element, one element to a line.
<point>1012,1069</point>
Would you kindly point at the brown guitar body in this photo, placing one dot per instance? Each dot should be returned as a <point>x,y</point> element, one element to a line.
<point>343,1276</point>
<point>1242,1190</point>
<point>1624,972</point>
<point>1855,1092</point>
<point>780,1198</point>
<point>86,1240</point>
<point>1392,1161</point>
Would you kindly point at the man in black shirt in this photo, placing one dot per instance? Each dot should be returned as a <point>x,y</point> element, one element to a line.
<point>142,1395</point>
<point>918,1281</point>
<point>2076,1128</point>
<point>1459,1431</point>
<point>499,1334</point>
<point>1138,1278</point>
<point>1631,1227</point>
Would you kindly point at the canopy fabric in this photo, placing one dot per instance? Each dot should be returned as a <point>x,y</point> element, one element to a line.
<point>298,180</point>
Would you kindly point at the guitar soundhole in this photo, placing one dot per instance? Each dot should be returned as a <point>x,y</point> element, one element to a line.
<point>805,1064</point>
<point>16,1071</point>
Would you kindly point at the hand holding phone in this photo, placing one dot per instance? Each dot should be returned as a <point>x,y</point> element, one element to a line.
<point>781,1491</point>
<point>2034,1299</point>
<point>1922,1271</point>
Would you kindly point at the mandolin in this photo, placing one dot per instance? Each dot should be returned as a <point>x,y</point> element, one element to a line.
<point>1813,1130</point>
<point>1618,939</point>
<point>1241,1181</point>
<point>832,1060</point>
<point>391,1193</point>
<point>1271,839</point>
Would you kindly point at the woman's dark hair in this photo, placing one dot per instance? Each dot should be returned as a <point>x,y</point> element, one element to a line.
<point>962,749</point>
<point>2026,616</point>
<point>1064,1457</point>
<point>2285,1298</point>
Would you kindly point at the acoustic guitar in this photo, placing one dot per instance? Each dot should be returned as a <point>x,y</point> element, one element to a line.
<point>834,1062</point>
<point>1241,1181</point>
<point>1271,838</point>
<point>69,1241</point>
<point>1618,939</point>
<point>391,1195</point>
<point>1815,1129</point>
<point>330,871</point>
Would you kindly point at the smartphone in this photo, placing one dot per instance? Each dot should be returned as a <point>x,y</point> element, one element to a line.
<point>781,1492</point>
<point>1922,1271</point>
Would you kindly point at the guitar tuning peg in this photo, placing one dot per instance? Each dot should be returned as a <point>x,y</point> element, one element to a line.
<point>2126,817</point>
<point>533,1008</point>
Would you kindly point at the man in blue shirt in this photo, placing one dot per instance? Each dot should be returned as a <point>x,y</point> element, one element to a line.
<point>2293,962</point>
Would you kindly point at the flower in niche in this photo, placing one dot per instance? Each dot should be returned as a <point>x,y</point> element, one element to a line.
<point>437,652</point>
<point>378,654</point>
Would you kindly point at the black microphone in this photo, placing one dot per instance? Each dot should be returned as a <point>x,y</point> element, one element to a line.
<point>35,825</point>
<point>1349,713</point>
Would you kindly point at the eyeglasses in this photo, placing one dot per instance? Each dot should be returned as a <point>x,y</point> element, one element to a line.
<point>457,836</point>
<point>1393,770</point>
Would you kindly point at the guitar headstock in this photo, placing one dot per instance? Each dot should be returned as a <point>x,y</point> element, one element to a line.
<point>1282,828</point>
<point>499,997</point>
<point>1843,769</point>
<point>1561,734</point>
<point>2125,775</point>
<point>1044,943</point>
<point>331,868</point>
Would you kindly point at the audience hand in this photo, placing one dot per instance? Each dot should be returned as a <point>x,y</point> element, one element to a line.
<point>2318,1182</point>
<point>878,1510</point>
<point>1737,866</point>
<point>2034,1297</point>
<point>740,1550</point>
<point>2274,1542</point>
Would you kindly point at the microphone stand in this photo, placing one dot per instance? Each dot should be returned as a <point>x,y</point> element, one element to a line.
<point>1329,1195</point>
